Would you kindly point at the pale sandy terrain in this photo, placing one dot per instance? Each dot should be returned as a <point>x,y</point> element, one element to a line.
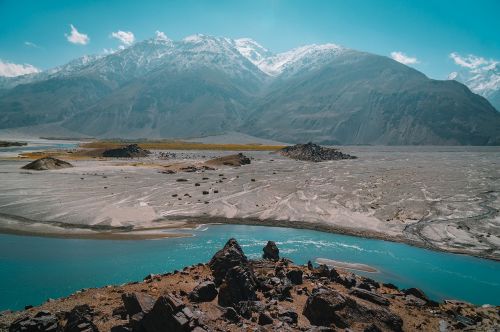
<point>440,197</point>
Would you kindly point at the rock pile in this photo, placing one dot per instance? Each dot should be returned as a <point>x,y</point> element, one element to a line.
<point>47,163</point>
<point>313,152</point>
<point>129,151</point>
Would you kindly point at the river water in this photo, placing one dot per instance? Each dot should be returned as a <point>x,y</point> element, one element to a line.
<point>33,269</point>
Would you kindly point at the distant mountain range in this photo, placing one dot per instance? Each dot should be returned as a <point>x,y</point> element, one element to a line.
<point>204,85</point>
<point>483,80</point>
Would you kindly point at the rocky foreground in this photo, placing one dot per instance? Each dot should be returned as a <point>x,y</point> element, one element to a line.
<point>233,293</point>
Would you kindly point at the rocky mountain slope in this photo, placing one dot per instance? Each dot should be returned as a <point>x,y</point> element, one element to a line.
<point>233,293</point>
<point>204,85</point>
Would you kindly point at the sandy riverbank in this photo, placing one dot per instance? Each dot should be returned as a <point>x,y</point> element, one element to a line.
<point>444,199</point>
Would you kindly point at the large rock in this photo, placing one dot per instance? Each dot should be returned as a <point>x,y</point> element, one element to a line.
<point>129,151</point>
<point>369,296</point>
<point>226,258</point>
<point>271,251</point>
<point>322,306</point>
<point>47,163</point>
<point>168,314</point>
<point>204,292</point>
<point>79,319</point>
<point>135,303</point>
<point>313,152</point>
<point>326,307</point>
<point>42,322</point>
<point>238,285</point>
<point>295,276</point>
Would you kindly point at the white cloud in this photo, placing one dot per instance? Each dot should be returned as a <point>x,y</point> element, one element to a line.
<point>76,37</point>
<point>30,44</point>
<point>9,69</point>
<point>161,35</point>
<point>126,37</point>
<point>403,58</point>
<point>470,61</point>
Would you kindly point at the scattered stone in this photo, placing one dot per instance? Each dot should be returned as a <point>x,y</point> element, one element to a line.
<point>313,152</point>
<point>271,251</point>
<point>47,163</point>
<point>181,180</point>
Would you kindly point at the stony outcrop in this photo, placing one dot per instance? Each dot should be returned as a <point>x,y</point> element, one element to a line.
<point>47,163</point>
<point>129,151</point>
<point>271,251</point>
<point>80,319</point>
<point>313,152</point>
<point>226,258</point>
<point>239,284</point>
<point>42,321</point>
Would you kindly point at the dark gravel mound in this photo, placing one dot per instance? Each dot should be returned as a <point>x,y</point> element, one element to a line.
<point>313,152</point>
<point>129,151</point>
<point>231,160</point>
<point>47,163</point>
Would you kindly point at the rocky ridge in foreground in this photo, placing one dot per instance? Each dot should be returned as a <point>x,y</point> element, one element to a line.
<point>233,293</point>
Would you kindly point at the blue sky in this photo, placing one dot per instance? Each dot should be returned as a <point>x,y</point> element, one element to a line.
<point>38,32</point>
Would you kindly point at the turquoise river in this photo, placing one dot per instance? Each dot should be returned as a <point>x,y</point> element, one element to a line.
<point>33,269</point>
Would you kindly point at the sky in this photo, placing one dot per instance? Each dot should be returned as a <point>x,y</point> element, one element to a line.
<point>435,37</point>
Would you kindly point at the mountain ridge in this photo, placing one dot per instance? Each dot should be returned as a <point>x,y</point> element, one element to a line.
<point>204,85</point>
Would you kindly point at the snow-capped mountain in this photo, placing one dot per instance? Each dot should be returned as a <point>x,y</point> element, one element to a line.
<point>206,85</point>
<point>483,80</point>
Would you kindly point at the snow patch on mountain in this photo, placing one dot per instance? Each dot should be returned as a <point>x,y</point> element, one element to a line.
<point>482,76</point>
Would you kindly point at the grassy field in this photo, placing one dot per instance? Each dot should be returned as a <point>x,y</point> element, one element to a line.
<point>180,145</point>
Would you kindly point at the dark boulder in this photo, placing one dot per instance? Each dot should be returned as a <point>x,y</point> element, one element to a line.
<point>288,316</point>
<point>231,315</point>
<point>295,276</point>
<point>137,302</point>
<point>168,314</point>
<point>204,292</point>
<point>226,258</point>
<point>321,271</point>
<point>265,319</point>
<point>239,284</point>
<point>79,319</point>
<point>42,322</point>
<point>369,296</point>
<point>322,306</point>
<point>271,251</point>
<point>326,307</point>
